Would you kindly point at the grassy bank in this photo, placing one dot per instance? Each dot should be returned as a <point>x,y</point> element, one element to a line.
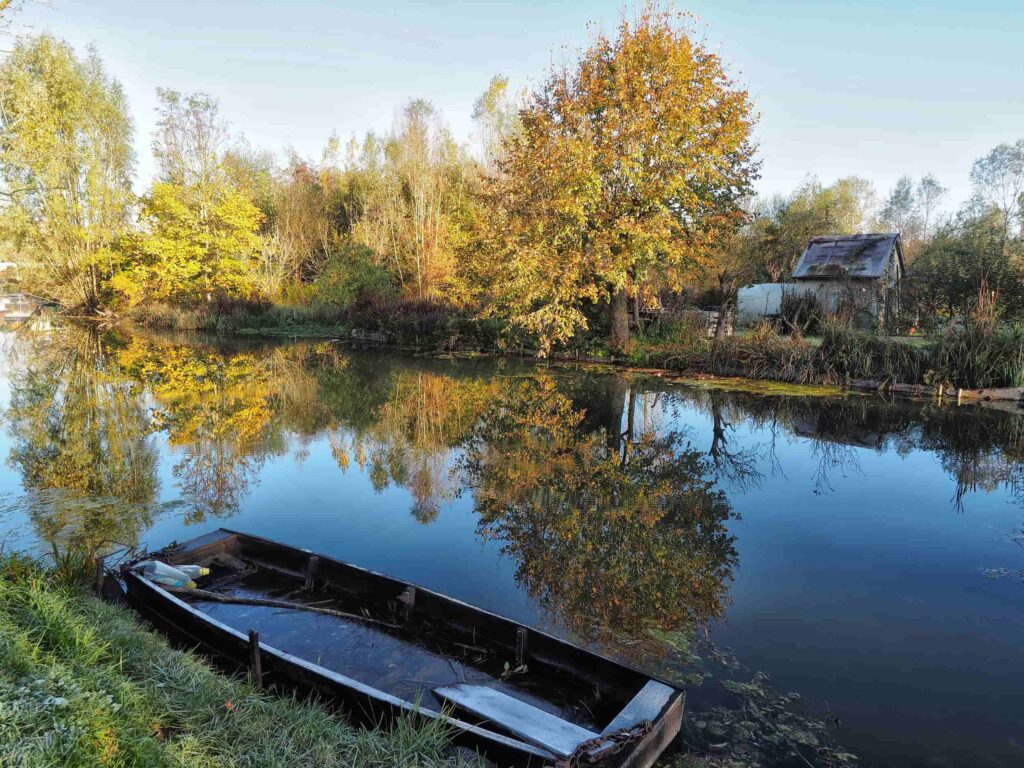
<point>82,683</point>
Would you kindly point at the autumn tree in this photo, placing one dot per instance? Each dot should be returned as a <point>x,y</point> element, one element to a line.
<point>66,163</point>
<point>629,165</point>
<point>414,182</point>
<point>199,237</point>
<point>193,248</point>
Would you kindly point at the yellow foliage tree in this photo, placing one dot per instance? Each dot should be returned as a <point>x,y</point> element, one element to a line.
<point>629,165</point>
<point>198,244</point>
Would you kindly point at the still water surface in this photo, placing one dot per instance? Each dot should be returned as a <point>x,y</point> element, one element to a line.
<point>847,547</point>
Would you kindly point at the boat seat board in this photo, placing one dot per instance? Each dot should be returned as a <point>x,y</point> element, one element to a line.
<point>646,705</point>
<point>524,720</point>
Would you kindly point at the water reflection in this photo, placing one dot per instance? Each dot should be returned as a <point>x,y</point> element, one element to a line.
<point>612,531</point>
<point>81,442</point>
<point>611,499</point>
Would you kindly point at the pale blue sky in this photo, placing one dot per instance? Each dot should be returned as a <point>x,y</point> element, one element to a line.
<point>869,87</point>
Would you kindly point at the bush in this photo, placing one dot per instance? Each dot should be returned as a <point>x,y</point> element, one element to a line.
<point>352,279</point>
<point>974,359</point>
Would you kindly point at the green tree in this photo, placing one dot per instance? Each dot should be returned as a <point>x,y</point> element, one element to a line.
<point>998,179</point>
<point>630,164</point>
<point>960,260</point>
<point>779,228</point>
<point>66,163</point>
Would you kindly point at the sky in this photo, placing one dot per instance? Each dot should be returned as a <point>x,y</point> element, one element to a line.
<point>873,88</point>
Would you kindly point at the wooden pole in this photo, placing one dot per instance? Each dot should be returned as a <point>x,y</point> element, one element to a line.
<point>100,577</point>
<point>255,657</point>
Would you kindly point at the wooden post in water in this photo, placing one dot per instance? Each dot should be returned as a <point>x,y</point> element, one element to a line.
<point>520,646</point>
<point>100,576</point>
<point>311,566</point>
<point>255,658</point>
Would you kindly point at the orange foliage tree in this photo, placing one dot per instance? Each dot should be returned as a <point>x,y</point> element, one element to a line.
<point>630,164</point>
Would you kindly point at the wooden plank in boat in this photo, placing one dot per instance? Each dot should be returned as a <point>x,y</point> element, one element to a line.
<point>524,720</point>
<point>646,705</point>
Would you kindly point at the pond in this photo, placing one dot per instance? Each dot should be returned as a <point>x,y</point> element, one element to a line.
<point>859,553</point>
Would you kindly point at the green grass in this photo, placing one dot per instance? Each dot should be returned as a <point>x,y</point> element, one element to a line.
<point>82,683</point>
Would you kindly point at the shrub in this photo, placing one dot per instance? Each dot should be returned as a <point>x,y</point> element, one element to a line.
<point>976,359</point>
<point>353,279</point>
<point>845,353</point>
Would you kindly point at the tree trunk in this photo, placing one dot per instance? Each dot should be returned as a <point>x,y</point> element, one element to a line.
<point>619,321</point>
<point>615,401</point>
<point>724,302</point>
<point>636,312</point>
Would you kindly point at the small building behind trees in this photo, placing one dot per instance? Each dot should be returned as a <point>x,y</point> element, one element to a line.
<point>856,275</point>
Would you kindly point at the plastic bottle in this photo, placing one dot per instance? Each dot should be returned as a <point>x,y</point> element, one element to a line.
<point>164,574</point>
<point>193,571</point>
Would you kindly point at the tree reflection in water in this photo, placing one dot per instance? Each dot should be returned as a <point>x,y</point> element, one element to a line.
<point>611,532</point>
<point>81,442</point>
<point>614,514</point>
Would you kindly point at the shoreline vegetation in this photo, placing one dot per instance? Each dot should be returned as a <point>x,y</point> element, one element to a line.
<point>962,364</point>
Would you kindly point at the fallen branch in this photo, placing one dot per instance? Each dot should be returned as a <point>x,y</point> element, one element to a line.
<point>202,594</point>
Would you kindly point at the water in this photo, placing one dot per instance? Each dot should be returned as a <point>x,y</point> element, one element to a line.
<point>845,546</point>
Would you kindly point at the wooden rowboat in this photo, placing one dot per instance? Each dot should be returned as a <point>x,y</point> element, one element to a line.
<point>379,647</point>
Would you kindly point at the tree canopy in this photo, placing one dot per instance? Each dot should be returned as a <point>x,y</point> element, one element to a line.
<point>630,163</point>
<point>66,163</point>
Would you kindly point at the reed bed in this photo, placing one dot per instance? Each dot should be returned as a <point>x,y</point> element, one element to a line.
<point>969,358</point>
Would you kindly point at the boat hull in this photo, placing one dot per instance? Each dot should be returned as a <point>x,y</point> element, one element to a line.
<point>364,704</point>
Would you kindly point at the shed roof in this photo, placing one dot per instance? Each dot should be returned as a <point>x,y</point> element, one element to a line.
<point>848,256</point>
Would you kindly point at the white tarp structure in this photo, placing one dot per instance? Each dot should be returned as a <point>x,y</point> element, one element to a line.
<point>756,302</point>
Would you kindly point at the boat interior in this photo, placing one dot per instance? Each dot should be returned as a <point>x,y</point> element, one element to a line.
<point>415,644</point>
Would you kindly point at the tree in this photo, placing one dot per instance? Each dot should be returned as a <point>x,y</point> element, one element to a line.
<point>191,138</point>
<point>630,164</point>
<point>963,258</point>
<point>415,184</point>
<point>196,246</point>
<point>930,194</point>
<point>901,213</point>
<point>66,163</point>
<point>998,179</point>
<point>200,228</point>
<point>497,120</point>
<point>779,228</point>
